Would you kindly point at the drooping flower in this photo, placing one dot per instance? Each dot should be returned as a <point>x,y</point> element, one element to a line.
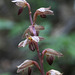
<point>42,12</point>
<point>27,64</point>
<point>24,65</point>
<point>53,72</point>
<point>50,54</point>
<point>20,3</point>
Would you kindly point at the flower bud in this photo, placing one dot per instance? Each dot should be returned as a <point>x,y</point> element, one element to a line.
<point>53,72</point>
<point>50,59</point>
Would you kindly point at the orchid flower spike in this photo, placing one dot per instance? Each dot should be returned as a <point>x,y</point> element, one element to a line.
<point>53,72</point>
<point>20,3</point>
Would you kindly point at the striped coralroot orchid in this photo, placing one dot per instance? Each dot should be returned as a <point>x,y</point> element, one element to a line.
<point>53,72</point>
<point>26,64</point>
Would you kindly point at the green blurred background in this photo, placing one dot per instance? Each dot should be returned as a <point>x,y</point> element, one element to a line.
<point>59,35</point>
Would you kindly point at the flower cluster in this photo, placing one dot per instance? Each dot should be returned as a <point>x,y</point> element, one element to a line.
<point>31,36</point>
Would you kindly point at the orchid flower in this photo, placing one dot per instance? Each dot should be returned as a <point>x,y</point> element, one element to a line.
<point>31,40</point>
<point>26,64</point>
<point>50,54</point>
<point>42,12</point>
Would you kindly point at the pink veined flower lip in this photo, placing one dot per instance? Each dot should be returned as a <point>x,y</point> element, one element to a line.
<point>24,65</point>
<point>53,72</point>
<point>30,38</point>
<point>20,3</point>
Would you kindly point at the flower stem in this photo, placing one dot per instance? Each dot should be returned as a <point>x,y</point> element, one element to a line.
<point>34,18</point>
<point>30,16</point>
<point>40,58</point>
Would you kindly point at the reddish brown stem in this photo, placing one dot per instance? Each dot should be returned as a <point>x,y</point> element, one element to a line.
<point>36,64</point>
<point>43,53</point>
<point>34,18</point>
<point>30,16</point>
<point>40,58</point>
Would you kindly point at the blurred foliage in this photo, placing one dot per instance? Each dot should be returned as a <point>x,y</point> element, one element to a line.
<point>7,73</point>
<point>5,24</point>
<point>19,28</point>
